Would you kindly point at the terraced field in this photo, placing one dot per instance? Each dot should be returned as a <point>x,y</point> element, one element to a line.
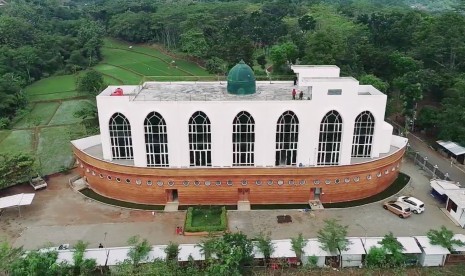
<point>48,124</point>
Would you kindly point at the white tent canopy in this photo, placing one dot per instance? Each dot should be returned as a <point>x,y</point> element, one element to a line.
<point>16,200</point>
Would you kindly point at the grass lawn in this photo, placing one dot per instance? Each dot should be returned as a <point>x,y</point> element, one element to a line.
<point>54,148</point>
<point>206,216</point>
<point>52,85</point>
<point>65,113</point>
<point>124,75</point>
<point>40,115</point>
<point>4,134</point>
<point>17,141</point>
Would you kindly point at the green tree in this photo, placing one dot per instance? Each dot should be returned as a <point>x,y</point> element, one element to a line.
<point>81,265</point>
<point>375,81</point>
<point>394,257</point>
<point>233,251</point>
<point>265,245</point>
<point>261,60</point>
<point>333,236</point>
<point>172,251</point>
<point>215,65</point>
<point>207,246</point>
<point>139,250</point>
<point>283,53</point>
<point>307,23</point>
<point>298,244</point>
<point>427,117</point>
<point>193,43</point>
<point>38,263</point>
<point>8,255</point>
<point>15,169</point>
<point>443,237</point>
<point>92,82</point>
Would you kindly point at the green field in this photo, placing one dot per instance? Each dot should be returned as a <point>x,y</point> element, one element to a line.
<point>120,74</point>
<point>17,141</point>
<point>40,115</point>
<point>54,149</point>
<point>53,101</point>
<point>65,113</point>
<point>52,85</point>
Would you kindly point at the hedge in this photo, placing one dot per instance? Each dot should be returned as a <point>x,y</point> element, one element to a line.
<point>205,228</point>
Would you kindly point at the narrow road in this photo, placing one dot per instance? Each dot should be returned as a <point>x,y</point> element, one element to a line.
<point>455,173</point>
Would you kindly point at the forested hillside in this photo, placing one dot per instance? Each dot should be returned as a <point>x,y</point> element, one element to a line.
<point>416,55</point>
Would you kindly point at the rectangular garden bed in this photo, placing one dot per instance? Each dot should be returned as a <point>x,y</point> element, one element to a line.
<point>206,219</point>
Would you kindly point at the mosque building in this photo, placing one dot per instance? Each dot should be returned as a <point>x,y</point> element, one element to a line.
<point>242,140</point>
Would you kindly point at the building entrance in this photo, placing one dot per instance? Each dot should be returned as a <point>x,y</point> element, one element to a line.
<point>172,195</point>
<point>243,194</point>
<point>315,193</point>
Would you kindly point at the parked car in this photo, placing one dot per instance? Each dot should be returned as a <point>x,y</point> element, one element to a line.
<point>400,209</point>
<point>416,206</point>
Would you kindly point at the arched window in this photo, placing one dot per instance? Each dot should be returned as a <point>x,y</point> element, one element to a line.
<point>243,139</point>
<point>156,140</point>
<point>200,140</point>
<point>363,134</point>
<point>287,136</point>
<point>329,146</point>
<point>120,137</point>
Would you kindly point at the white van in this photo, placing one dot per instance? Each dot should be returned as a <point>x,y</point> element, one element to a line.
<point>417,206</point>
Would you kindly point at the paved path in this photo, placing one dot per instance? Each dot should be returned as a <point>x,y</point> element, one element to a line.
<point>455,173</point>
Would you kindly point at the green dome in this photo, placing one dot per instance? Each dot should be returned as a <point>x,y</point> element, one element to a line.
<point>241,79</point>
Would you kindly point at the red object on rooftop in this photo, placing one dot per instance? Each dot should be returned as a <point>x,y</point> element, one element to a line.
<point>118,92</point>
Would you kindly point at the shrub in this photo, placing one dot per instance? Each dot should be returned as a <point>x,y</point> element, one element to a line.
<point>205,228</point>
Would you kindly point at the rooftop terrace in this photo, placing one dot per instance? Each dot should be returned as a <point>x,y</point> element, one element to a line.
<point>216,91</point>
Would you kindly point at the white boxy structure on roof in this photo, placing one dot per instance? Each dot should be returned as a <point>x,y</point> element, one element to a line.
<point>353,255</point>
<point>431,255</point>
<point>313,248</point>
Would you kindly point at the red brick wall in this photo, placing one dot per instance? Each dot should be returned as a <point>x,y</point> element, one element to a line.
<point>203,189</point>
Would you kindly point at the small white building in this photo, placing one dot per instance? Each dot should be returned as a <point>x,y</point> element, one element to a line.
<point>193,250</point>
<point>440,187</point>
<point>314,248</point>
<point>431,255</point>
<point>282,249</point>
<point>411,249</point>
<point>369,242</point>
<point>455,206</point>
<point>353,255</point>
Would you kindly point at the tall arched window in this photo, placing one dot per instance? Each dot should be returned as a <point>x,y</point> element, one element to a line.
<point>329,146</point>
<point>243,139</point>
<point>156,140</point>
<point>363,134</point>
<point>120,137</point>
<point>200,140</point>
<point>287,136</point>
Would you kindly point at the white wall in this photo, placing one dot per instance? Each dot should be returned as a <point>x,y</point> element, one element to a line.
<point>459,216</point>
<point>265,113</point>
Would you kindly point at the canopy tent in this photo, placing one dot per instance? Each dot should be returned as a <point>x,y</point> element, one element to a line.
<point>16,201</point>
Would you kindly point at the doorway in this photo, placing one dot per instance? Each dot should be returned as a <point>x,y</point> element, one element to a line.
<point>172,195</point>
<point>243,194</point>
<point>315,193</point>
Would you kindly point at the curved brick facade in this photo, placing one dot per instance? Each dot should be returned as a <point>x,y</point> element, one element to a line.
<point>228,185</point>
